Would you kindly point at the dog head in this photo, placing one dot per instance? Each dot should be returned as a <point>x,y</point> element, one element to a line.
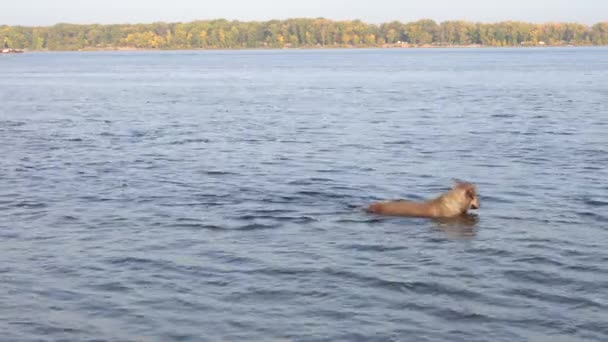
<point>468,194</point>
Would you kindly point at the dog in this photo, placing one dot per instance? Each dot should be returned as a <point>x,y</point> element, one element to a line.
<point>457,201</point>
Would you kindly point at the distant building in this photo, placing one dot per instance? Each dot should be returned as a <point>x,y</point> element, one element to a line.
<point>5,50</point>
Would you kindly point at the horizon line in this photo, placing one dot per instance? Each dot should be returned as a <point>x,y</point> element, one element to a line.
<point>305,18</point>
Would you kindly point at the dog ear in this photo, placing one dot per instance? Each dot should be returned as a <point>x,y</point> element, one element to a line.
<point>457,182</point>
<point>470,193</point>
<point>460,184</point>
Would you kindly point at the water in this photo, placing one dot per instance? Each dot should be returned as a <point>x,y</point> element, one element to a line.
<point>216,195</point>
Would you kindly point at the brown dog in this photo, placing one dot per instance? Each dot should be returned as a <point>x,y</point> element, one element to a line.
<point>457,201</point>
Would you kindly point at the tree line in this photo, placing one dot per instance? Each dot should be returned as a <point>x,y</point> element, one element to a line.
<point>319,32</point>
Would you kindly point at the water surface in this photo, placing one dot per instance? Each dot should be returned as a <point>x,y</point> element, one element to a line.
<point>216,195</point>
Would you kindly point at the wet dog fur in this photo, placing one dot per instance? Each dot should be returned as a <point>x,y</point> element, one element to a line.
<point>457,201</point>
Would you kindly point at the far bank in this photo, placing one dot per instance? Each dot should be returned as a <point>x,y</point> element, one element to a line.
<point>299,33</point>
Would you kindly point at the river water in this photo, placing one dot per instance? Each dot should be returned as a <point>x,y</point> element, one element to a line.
<point>217,195</point>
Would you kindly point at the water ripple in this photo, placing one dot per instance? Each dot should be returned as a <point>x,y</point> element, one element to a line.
<point>219,195</point>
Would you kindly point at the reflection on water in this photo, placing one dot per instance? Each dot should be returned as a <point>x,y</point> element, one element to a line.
<point>462,226</point>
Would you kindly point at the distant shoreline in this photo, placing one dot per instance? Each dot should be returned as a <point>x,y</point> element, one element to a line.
<point>429,47</point>
<point>317,33</point>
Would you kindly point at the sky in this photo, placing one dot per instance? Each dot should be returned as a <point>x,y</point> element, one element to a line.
<point>49,12</point>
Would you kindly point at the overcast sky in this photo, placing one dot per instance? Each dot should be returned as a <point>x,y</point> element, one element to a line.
<point>48,12</point>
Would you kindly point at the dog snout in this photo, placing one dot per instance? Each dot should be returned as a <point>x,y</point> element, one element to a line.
<point>475,204</point>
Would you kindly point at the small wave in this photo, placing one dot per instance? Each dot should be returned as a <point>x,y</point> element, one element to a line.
<point>538,260</point>
<point>587,268</point>
<point>30,205</point>
<point>90,198</point>
<point>188,141</point>
<point>536,277</point>
<point>398,142</point>
<point>359,147</point>
<point>544,296</point>
<point>130,260</point>
<point>281,199</point>
<point>429,288</point>
<point>10,123</point>
<point>372,219</point>
<point>319,194</point>
<point>559,133</point>
<point>198,226</point>
<point>272,295</point>
<point>595,203</point>
<point>46,329</point>
<point>111,287</point>
<point>141,263</point>
<point>300,182</point>
<point>593,215</point>
<point>248,217</point>
<point>328,171</point>
<point>593,168</point>
<point>255,226</point>
<point>295,141</point>
<point>491,166</point>
<point>453,315</point>
<point>371,248</point>
<point>137,133</point>
<point>534,161</point>
<point>219,173</point>
<point>487,251</point>
<point>297,219</point>
<point>10,235</point>
<point>273,271</point>
<point>272,212</point>
<point>386,111</point>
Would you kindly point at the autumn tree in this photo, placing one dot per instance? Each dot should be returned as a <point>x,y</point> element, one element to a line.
<point>297,32</point>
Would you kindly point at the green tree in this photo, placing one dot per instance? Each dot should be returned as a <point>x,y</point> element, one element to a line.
<point>422,32</point>
<point>298,32</point>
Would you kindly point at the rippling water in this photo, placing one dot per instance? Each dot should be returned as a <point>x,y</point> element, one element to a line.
<point>189,196</point>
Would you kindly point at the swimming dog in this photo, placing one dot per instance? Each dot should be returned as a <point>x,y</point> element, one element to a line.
<point>457,201</point>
